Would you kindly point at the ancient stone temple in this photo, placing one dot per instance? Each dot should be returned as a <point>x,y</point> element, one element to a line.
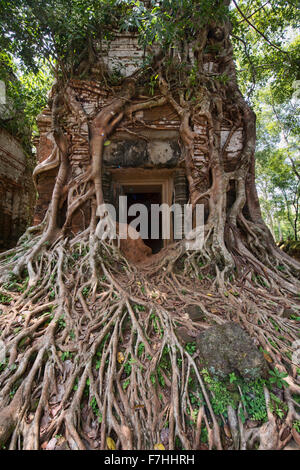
<point>143,156</point>
<point>16,190</point>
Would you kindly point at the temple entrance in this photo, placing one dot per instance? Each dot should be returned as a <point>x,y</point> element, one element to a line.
<point>142,186</point>
<point>146,195</point>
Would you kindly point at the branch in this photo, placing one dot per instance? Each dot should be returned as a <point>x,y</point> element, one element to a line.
<point>253,72</point>
<point>257,30</point>
<point>254,13</point>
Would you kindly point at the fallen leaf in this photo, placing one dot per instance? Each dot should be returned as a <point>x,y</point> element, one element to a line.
<point>138,407</point>
<point>110,443</point>
<point>159,447</point>
<point>120,357</point>
<point>227,431</point>
<point>267,357</point>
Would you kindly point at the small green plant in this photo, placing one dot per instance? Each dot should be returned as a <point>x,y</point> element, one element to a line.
<point>5,299</point>
<point>253,399</point>
<point>223,79</point>
<point>128,364</point>
<point>295,317</point>
<point>138,308</point>
<point>296,425</point>
<point>160,377</point>
<point>85,291</point>
<point>125,384</point>
<point>3,365</point>
<point>252,396</point>
<point>13,392</point>
<point>61,322</point>
<point>156,325</point>
<point>232,378</point>
<point>221,396</point>
<point>196,398</point>
<point>280,267</point>
<point>95,408</point>
<point>277,378</point>
<point>66,355</point>
<point>72,334</point>
<point>51,294</point>
<point>141,349</point>
<point>75,387</point>
<point>153,83</point>
<point>242,415</point>
<point>204,435</point>
<point>190,348</point>
<point>153,378</point>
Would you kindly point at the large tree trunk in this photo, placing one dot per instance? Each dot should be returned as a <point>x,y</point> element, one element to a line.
<point>99,355</point>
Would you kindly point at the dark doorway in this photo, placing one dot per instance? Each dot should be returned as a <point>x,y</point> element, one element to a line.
<point>138,195</point>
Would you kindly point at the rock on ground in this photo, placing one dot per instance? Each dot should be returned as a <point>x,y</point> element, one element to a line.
<point>228,348</point>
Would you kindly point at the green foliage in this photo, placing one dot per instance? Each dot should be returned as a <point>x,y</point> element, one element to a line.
<point>95,408</point>
<point>66,355</point>
<point>125,384</point>
<point>55,30</point>
<point>168,21</point>
<point>128,364</point>
<point>85,291</point>
<point>253,399</point>
<point>138,308</point>
<point>26,96</point>
<point>191,348</point>
<point>204,435</point>
<point>267,51</point>
<point>141,349</point>
<point>266,45</point>
<point>5,299</point>
<point>222,398</point>
<point>232,378</point>
<point>277,406</point>
<point>278,167</point>
<point>61,322</point>
<point>226,393</point>
<point>164,366</point>
<point>156,325</point>
<point>296,425</point>
<point>276,378</point>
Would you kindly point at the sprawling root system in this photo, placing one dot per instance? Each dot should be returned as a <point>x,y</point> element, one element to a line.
<point>93,352</point>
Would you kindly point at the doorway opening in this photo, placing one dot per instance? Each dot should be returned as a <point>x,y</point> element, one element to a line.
<point>146,186</point>
<point>146,195</point>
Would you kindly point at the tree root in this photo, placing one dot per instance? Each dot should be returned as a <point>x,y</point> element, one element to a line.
<point>92,357</point>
